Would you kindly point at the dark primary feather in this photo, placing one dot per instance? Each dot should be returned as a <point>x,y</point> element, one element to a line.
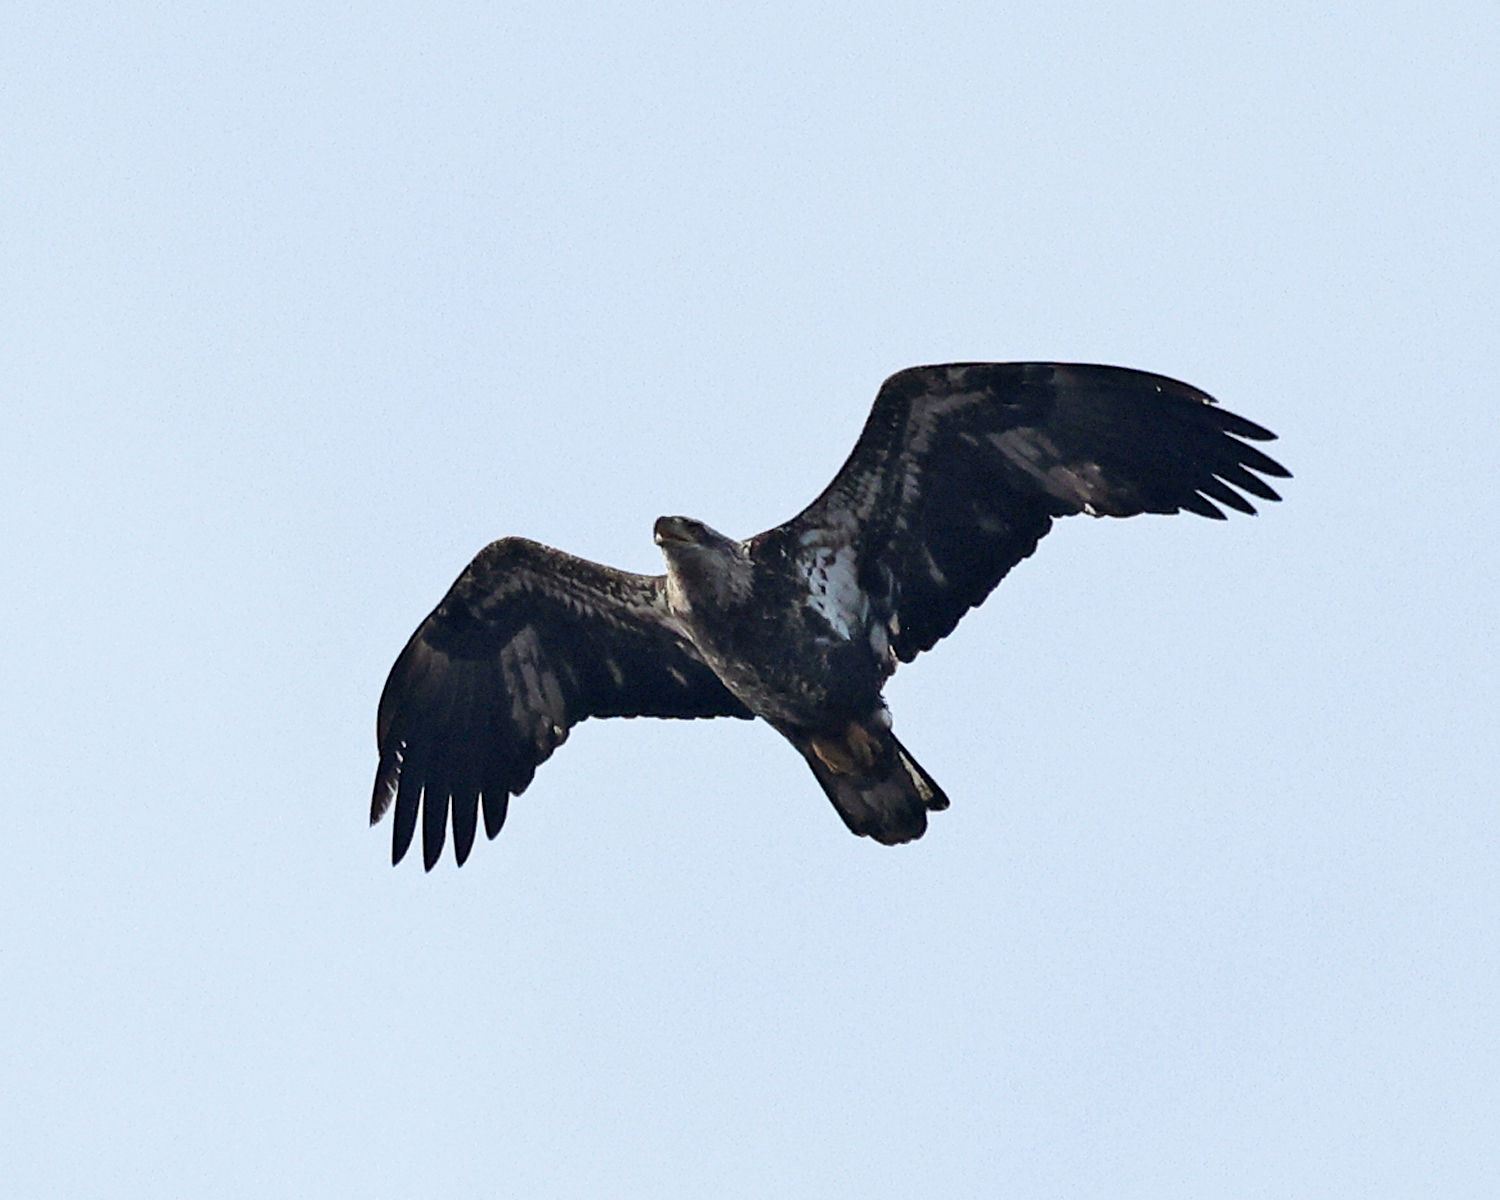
<point>960,469</point>
<point>528,642</point>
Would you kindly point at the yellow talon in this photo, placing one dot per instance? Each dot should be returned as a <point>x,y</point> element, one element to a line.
<point>834,756</point>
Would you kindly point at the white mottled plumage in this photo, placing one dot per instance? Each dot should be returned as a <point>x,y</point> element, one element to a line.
<point>833,590</point>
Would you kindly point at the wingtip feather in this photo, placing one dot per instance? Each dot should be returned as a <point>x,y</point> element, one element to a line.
<point>434,827</point>
<point>1196,503</point>
<point>404,824</point>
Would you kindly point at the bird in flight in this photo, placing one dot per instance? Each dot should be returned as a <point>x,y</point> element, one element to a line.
<point>958,473</point>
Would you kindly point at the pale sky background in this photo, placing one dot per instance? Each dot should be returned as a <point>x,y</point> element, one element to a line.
<point>302,306</point>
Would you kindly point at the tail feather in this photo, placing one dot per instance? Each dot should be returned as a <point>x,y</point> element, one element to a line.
<point>878,788</point>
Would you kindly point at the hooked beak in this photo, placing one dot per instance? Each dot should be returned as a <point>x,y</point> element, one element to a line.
<point>672,529</point>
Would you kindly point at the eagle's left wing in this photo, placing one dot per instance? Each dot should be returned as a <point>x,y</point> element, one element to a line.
<point>528,642</point>
<point>960,469</point>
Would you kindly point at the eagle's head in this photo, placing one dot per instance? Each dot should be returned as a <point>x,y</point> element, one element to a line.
<point>704,568</point>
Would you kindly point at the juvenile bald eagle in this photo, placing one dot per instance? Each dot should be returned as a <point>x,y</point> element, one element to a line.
<point>958,473</point>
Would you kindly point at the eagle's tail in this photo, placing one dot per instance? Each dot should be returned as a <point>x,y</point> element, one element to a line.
<point>878,788</point>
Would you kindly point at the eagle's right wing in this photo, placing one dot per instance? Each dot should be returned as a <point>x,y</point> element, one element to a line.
<point>960,469</point>
<point>528,642</point>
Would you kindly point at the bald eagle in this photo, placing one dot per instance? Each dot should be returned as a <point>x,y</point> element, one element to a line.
<point>957,475</point>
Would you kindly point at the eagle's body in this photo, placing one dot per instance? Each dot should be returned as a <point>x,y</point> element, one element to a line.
<point>958,473</point>
<point>744,605</point>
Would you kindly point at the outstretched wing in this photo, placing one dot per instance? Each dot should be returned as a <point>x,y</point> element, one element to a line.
<point>528,642</point>
<point>961,468</point>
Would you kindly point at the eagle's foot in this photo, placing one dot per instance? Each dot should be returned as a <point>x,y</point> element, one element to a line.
<point>856,754</point>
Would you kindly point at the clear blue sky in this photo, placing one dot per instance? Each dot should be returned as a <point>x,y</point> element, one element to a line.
<point>301,307</point>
